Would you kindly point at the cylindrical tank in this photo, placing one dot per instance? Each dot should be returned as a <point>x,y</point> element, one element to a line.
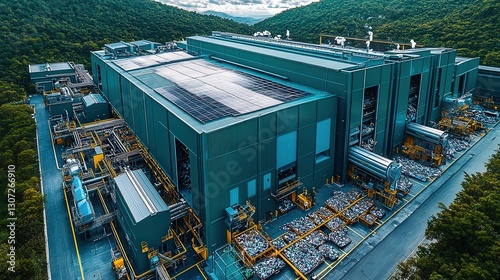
<point>426,133</point>
<point>374,164</point>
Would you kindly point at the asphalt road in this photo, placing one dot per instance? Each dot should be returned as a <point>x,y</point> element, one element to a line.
<point>407,228</point>
<point>62,254</point>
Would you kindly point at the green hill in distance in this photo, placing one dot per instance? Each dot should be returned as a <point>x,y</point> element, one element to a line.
<point>39,31</point>
<point>470,26</point>
<point>246,20</point>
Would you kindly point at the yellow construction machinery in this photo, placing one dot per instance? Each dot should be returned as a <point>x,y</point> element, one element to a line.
<point>118,266</point>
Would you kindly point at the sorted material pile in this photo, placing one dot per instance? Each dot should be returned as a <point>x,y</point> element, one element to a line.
<point>279,243</point>
<point>364,205</point>
<point>403,185</point>
<point>368,219</point>
<point>290,236</point>
<point>267,267</point>
<point>338,202</point>
<point>328,251</point>
<point>378,212</point>
<point>480,116</point>
<point>455,145</point>
<point>353,195</point>
<point>316,238</point>
<point>418,171</point>
<point>320,215</point>
<point>302,225</point>
<point>335,224</point>
<point>252,242</point>
<point>304,256</point>
<point>340,237</point>
<point>286,205</point>
<point>284,227</point>
<point>350,215</point>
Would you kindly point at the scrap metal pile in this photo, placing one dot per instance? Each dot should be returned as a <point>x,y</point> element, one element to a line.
<point>286,205</point>
<point>317,238</point>
<point>328,251</point>
<point>455,145</point>
<point>304,256</point>
<point>353,195</point>
<point>416,170</point>
<point>338,202</point>
<point>378,212</point>
<point>368,219</point>
<point>335,224</point>
<point>267,267</point>
<point>252,242</point>
<point>404,184</point>
<point>480,116</point>
<point>320,215</point>
<point>301,225</point>
<point>340,237</point>
<point>279,243</point>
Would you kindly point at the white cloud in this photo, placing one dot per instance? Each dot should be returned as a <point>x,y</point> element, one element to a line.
<point>238,7</point>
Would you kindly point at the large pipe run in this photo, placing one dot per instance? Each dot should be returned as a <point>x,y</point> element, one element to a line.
<point>374,164</point>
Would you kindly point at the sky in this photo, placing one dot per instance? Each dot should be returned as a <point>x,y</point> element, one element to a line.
<point>238,7</point>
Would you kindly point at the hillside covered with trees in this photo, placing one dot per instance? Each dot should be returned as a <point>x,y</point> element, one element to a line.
<point>39,31</point>
<point>464,237</point>
<point>470,26</point>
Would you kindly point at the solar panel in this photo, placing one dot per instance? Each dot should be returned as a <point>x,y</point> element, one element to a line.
<point>208,92</point>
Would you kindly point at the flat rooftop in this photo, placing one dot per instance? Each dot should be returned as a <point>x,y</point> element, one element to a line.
<point>208,95</point>
<point>334,64</point>
<point>47,67</point>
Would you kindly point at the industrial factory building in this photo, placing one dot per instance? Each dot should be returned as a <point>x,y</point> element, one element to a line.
<point>236,118</point>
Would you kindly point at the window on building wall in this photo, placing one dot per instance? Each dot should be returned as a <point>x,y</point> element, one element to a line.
<point>252,188</point>
<point>323,140</point>
<point>286,151</point>
<point>234,196</point>
<point>266,181</point>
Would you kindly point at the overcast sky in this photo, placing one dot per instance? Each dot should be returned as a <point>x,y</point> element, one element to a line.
<point>238,7</point>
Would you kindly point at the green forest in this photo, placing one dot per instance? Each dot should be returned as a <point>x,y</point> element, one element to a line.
<point>470,26</point>
<point>38,31</point>
<point>464,237</point>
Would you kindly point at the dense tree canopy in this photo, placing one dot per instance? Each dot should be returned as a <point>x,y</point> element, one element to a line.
<point>466,25</point>
<point>465,237</point>
<point>39,31</point>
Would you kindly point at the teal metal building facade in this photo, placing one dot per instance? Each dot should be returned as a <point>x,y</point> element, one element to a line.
<point>342,97</point>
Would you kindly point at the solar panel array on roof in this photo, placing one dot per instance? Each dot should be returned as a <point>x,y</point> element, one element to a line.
<point>150,60</point>
<point>208,92</point>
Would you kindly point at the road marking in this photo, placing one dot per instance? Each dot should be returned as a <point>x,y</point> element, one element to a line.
<point>74,236</point>
<point>355,232</point>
